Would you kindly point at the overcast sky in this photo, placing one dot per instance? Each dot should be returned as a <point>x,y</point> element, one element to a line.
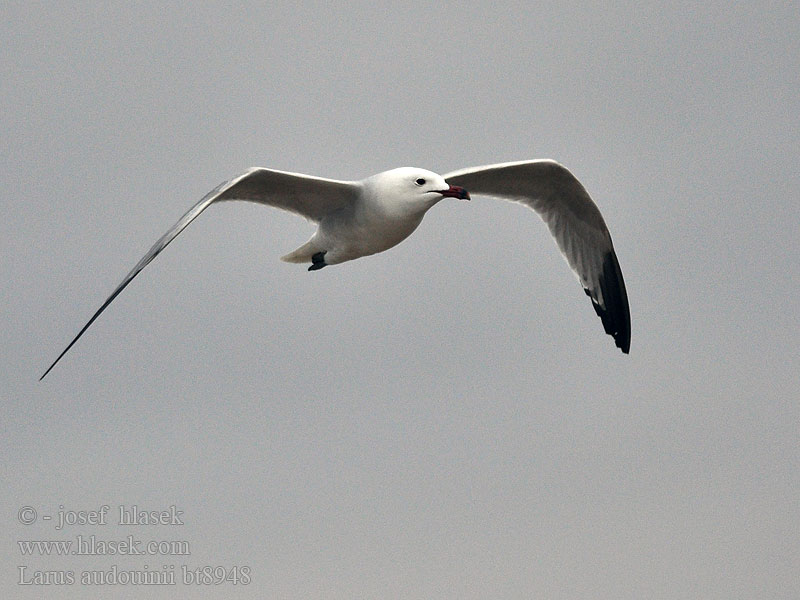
<point>443,420</point>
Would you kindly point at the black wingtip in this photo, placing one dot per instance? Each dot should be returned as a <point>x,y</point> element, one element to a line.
<point>60,356</point>
<point>615,312</point>
<point>55,362</point>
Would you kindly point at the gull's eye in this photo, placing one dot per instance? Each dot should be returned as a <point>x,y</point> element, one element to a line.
<point>420,181</point>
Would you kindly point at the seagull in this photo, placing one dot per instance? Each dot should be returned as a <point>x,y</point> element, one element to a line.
<point>360,218</point>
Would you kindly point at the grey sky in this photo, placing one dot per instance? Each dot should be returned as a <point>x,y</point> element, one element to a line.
<point>446,419</point>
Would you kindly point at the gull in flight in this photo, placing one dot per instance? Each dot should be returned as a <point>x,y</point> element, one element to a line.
<point>359,218</point>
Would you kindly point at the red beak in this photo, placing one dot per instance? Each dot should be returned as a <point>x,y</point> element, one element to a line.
<point>455,192</point>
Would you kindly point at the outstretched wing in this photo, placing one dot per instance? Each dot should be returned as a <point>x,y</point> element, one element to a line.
<point>575,222</point>
<point>311,197</point>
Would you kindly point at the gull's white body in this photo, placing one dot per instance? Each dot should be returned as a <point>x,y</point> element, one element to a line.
<point>359,218</point>
<point>382,211</point>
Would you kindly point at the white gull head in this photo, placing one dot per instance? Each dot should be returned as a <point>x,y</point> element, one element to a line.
<point>409,189</point>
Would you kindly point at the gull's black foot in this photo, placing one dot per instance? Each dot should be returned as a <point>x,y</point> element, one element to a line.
<point>318,261</point>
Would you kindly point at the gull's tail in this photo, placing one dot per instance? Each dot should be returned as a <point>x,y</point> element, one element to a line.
<point>304,253</point>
